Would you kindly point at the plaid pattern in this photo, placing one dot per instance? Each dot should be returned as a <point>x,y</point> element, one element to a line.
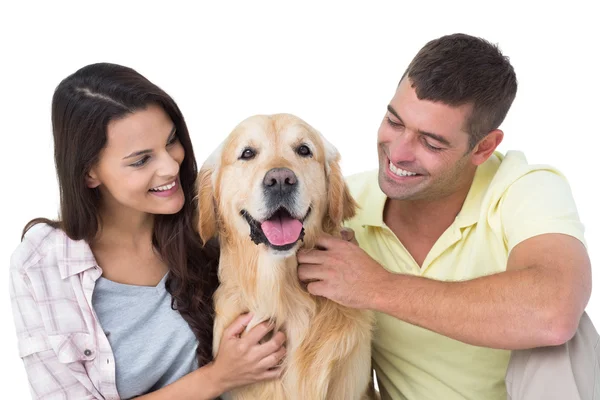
<point>65,351</point>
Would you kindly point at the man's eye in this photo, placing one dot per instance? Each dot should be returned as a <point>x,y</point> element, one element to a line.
<point>304,151</point>
<point>393,123</point>
<point>430,147</point>
<point>247,154</point>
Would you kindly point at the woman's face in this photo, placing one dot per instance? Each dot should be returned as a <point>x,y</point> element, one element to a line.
<point>139,167</point>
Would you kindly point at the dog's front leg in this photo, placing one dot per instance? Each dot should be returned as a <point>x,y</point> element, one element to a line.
<point>228,307</point>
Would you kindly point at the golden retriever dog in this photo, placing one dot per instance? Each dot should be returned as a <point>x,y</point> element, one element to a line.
<point>272,187</point>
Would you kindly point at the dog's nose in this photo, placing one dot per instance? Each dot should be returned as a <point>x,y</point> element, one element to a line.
<point>280,179</point>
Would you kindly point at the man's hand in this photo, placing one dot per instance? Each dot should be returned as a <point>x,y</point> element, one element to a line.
<point>341,271</point>
<point>348,235</point>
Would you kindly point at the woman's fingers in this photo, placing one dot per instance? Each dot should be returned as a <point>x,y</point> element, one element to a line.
<point>272,359</point>
<point>258,332</point>
<point>271,346</point>
<point>238,325</point>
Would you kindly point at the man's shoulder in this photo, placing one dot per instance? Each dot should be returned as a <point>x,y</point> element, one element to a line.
<point>513,170</point>
<point>527,199</point>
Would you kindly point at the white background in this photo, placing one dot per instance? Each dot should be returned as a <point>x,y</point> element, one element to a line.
<point>335,65</point>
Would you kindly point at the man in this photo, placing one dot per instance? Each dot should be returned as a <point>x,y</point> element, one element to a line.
<point>466,254</point>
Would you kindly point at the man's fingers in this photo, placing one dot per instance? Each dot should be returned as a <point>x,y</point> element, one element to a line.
<point>348,235</point>
<point>313,256</point>
<point>238,325</point>
<point>325,241</point>
<point>310,272</point>
<point>316,288</point>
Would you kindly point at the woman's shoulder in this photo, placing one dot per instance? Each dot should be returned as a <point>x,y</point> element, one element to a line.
<point>39,243</point>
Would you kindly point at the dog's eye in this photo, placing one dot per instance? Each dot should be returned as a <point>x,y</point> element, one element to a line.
<point>247,154</point>
<point>304,151</point>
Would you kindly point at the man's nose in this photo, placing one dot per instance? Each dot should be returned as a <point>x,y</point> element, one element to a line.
<point>402,149</point>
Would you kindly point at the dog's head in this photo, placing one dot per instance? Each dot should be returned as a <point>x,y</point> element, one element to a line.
<point>276,181</point>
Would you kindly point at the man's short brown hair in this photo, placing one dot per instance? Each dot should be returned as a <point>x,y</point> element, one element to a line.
<point>461,69</point>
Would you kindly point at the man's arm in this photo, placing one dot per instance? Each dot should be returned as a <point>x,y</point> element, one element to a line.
<point>537,302</point>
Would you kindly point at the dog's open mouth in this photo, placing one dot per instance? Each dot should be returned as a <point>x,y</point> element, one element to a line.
<point>280,231</point>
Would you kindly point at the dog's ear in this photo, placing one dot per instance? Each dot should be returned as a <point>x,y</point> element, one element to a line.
<point>341,204</point>
<point>206,221</point>
<point>207,215</point>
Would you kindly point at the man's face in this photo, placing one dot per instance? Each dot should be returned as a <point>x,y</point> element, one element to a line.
<point>423,148</point>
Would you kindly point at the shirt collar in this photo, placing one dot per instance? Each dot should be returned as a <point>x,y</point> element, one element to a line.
<point>471,210</point>
<point>73,256</point>
<point>371,212</point>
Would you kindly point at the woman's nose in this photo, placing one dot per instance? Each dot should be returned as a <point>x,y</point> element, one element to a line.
<point>169,166</point>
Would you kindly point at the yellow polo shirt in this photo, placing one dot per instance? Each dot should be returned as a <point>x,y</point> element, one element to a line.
<point>509,201</point>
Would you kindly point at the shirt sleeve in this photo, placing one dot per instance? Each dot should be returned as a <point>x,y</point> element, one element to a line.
<point>48,378</point>
<point>539,202</point>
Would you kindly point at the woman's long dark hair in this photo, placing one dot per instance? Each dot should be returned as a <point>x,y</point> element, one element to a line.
<point>82,106</point>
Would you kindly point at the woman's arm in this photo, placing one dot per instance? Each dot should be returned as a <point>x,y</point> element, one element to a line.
<point>240,361</point>
<point>48,377</point>
<point>51,379</point>
<point>201,384</point>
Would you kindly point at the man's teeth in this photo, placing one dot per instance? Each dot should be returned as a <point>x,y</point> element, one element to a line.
<point>163,188</point>
<point>400,172</point>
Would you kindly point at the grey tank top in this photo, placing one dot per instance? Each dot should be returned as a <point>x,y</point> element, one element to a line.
<point>152,344</point>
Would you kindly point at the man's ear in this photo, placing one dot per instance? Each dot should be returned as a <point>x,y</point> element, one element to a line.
<point>486,146</point>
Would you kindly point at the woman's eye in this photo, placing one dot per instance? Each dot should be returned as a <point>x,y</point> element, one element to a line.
<point>304,151</point>
<point>141,162</point>
<point>247,154</point>
<point>172,140</point>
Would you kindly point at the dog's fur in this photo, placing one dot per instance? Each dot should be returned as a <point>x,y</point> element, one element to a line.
<point>328,345</point>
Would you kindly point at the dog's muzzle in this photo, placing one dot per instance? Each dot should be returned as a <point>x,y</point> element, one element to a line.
<point>282,229</point>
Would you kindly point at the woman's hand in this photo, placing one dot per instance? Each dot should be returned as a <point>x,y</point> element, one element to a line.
<point>242,360</point>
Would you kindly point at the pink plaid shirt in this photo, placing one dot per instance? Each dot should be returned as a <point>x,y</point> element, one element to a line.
<point>64,349</point>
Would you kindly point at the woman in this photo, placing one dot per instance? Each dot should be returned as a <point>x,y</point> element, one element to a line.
<point>114,299</point>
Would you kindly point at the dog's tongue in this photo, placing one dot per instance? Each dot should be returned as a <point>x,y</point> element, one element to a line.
<point>282,230</point>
